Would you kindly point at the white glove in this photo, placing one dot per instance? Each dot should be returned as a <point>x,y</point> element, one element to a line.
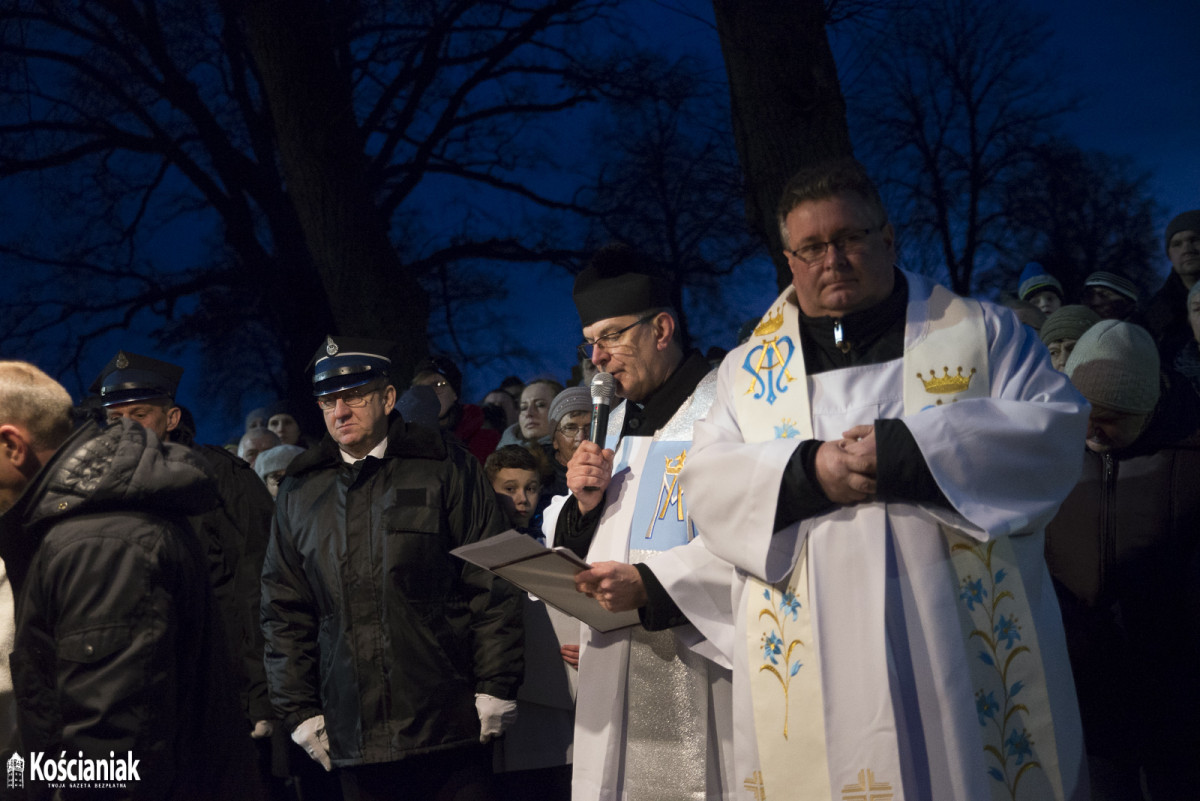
<point>495,715</point>
<point>310,735</point>
<point>263,728</point>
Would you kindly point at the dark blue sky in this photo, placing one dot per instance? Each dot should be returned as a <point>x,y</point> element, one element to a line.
<point>1134,64</point>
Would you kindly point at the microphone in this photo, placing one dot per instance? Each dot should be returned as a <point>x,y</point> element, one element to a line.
<point>602,394</point>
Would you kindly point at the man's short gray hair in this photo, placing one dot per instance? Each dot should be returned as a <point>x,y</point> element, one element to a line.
<point>826,180</point>
<point>33,400</point>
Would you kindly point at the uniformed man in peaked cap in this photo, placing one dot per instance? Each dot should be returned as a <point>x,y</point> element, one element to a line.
<point>233,535</point>
<point>390,659</point>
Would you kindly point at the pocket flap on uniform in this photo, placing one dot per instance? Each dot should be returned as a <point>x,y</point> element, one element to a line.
<point>415,519</point>
<point>94,644</point>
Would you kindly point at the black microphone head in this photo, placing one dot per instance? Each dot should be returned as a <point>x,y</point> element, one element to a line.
<point>602,388</point>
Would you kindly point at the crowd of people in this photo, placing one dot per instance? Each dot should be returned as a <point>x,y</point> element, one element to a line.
<point>895,543</point>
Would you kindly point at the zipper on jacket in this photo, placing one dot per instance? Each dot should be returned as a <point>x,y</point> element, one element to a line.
<point>1108,519</point>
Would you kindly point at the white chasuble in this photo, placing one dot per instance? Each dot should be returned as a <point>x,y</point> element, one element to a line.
<point>895,651</point>
<point>653,717</point>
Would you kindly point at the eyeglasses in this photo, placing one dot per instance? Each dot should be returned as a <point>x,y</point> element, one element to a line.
<point>850,243</point>
<point>354,398</point>
<point>609,340</point>
<point>572,430</point>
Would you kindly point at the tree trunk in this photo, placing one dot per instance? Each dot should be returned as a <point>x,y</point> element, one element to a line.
<point>787,106</point>
<point>295,45</point>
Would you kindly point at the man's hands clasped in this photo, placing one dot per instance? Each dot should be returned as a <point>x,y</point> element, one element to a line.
<point>847,468</point>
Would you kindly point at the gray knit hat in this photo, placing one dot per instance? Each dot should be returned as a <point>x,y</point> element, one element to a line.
<point>1115,364</point>
<point>1188,221</point>
<point>277,458</point>
<point>1117,283</point>
<point>571,399</point>
<point>1069,322</point>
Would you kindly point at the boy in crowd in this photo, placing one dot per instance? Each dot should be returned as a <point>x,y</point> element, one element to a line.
<point>513,474</point>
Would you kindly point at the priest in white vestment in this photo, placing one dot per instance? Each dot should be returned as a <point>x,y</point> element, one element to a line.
<point>879,464</point>
<point>653,717</point>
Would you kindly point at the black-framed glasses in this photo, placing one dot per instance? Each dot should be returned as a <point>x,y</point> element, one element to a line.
<point>607,341</point>
<point>851,243</point>
<point>354,398</point>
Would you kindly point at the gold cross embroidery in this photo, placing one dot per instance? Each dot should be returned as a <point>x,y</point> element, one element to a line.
<point>754,783</point>
<point>867,788</point>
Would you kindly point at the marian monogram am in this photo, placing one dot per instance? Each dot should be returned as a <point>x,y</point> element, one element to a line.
<point>661,502</point>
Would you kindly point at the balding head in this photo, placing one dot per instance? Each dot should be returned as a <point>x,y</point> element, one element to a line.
<point>36,402</point>
<point>35,418</point>
<point>254,442</point>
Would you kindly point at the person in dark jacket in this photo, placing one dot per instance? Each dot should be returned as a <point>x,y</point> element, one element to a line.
<point>1122,553</point>
<point>465,420</point>
<point>387,657</point>
<point>1166,313</point>
<point>232,534</point>
<point>118,653</point>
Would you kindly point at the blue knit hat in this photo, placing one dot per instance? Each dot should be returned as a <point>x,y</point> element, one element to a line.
<point>1034,279</point>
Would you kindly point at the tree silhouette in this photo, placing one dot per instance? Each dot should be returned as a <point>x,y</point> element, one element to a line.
<point>255,174</point>
<point>786,103</point>
<point>958,98</point>
<point>671,187</point>
<point>1076,212</point>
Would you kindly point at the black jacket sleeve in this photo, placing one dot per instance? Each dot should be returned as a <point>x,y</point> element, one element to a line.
<point>800,495</point>
<point>902,472</point>
<point>660,611</point>
<point>576,530</point>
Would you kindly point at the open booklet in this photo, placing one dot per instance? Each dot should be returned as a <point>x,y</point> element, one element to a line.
<point>548,573</point>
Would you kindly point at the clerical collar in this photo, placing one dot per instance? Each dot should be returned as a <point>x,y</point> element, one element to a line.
<point>377,452</point>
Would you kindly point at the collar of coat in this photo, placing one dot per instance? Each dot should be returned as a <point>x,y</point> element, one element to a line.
<point>405,440</point>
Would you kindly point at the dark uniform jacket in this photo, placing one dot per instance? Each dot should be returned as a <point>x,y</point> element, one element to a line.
<point>118,644</point>
<point>233,535</point>
<point>368,618</point>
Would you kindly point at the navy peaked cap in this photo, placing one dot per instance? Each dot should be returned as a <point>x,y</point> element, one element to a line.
<point>346,362</point>
<point>130,377</point>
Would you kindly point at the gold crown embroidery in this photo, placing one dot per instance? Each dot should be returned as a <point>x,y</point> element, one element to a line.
<point>770,324</point>
<point>947,384</point>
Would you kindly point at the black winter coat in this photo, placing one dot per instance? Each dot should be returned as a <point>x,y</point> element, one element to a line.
<point>368,618</point>
<point>118,643</point>
<point>233,535</point>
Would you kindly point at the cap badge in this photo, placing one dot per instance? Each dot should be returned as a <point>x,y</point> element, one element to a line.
<point>330,346</point>
<point>122,360</point>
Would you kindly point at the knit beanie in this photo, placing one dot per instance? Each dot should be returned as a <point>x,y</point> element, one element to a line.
<point>1188,221</point>
<point>277,458</point>
<point>1034,278</point>
<point>571,399</point>
<point>1115,364</point>
<point>1117,283</point>
<point>1069,322</point>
